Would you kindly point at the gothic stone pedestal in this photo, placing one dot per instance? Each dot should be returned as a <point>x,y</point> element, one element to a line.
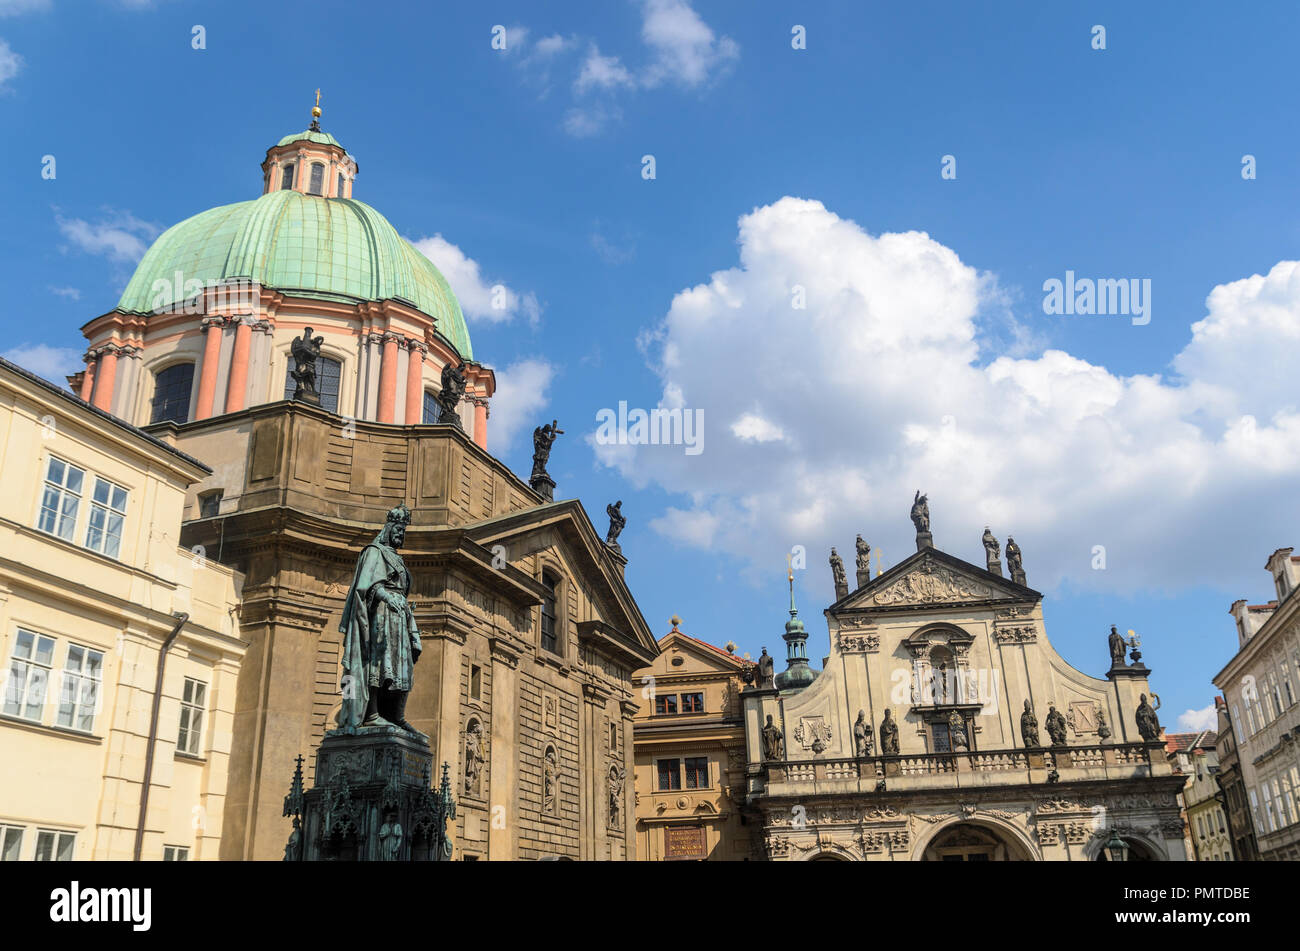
<point>372,799</point>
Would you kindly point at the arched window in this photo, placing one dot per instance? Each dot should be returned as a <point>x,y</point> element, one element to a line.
<point>171,393</point>
<point>339,193</point>
<point>317,179</point>
<point>550,636</point>
<point>286,177</point>
<point>327,382</point>
<point>431,408</point>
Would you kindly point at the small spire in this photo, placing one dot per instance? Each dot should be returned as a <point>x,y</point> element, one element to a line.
<point>316,113</point>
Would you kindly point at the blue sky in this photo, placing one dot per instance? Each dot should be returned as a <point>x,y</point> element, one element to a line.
<point>921,360</point>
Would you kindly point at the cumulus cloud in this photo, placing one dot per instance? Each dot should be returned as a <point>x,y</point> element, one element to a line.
<point>479,300</point>
<point>685,50</point>
<point>118,235</point>
<point>10,64</point>
<point>602,72</point>
<point>52,363</point>
<point>848,369</point>
<point>1194,721</point>
<point>9,8</point>
<point>522,392</point>
<point>69,292</point>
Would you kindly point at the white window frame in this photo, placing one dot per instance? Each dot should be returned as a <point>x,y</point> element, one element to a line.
<point>108,532</point>
<point>176,853</point>
<point>29,663</point>
<point>61,493</point>
<point>189,738</point>
<point>72,693</point>
<point>5,830</point>
<point>56,847</point>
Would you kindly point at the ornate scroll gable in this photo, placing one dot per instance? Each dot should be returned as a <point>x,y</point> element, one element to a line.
<point>929,578</point>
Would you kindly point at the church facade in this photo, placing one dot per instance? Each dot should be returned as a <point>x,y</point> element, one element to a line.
<point>945,727</point>
<point>303,350</point>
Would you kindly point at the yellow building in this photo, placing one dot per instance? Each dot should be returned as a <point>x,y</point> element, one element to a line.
<point>689,747</point>
<point>120,648</point>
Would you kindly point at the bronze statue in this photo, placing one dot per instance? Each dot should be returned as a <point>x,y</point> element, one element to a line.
<point>773,743</point>
<point>380,640</point>
<point>957,731</point>
<point>453,389</point>
<point>1029,727</point>
<point>616,523</point>
<point>1147,723</point>
<point>1055,726</point>
<point>1014,565</point>
<point>1117,648</point>
<point>921,512</point>
<point>305,350</point>
<point>888,735</point>
<point>766,671</point>
<point>837,569</point>
<point>543,439</point>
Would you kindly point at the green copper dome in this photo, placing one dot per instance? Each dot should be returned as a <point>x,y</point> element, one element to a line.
<point>320,138</point>
<point>326,248</point>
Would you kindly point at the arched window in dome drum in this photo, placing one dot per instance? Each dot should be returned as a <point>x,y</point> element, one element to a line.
<point>431,408</point>
<point>339,193</point>
<point>327,382</point>
<point>317,179</point>
<point>171,393</point>
<point>286,178</point>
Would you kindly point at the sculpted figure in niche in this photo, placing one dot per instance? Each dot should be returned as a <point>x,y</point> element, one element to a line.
<point>1055,726</point>
<point>550,781</point>
<point>1029,727</point>
<point>390,837</point>
<point>889,735</point>
<point>1147,723</point>
<point>473,756</point>
<point>616,775</point>
<point>773,743</point>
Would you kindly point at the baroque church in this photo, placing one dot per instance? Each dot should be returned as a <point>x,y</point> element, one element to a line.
<point>529,632</point>
<point>945,727</point>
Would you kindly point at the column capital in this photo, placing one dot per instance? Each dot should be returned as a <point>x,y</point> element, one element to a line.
<point>216,321</point>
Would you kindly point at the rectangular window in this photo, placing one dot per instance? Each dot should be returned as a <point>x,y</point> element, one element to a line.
<point>692,703</point>
<point>1268,807</point>
<point>475,682</point>
<point>107,512</point>
<point>670,774</point>
<point>210,503</point>
<point>61,498</point>
<point>1285,803</point>
<point>339,192</point>
<point>1254,809</point>
<point>613,736</point>
<point>697,772</point>
<point>1288,692</point>
<point>286,178</point>
<point>54,846</point>
<point>29,675</point>
<point>11,843</point>
<point>317,180</point>
<point>666,704</point>
<point>176,853</point>
<point>550,641</point>
<point>1236,723</point>
<point>194,700</point>
<point>79,694</point>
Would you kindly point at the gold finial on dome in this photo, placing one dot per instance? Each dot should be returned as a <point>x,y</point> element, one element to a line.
<point>316,113</point>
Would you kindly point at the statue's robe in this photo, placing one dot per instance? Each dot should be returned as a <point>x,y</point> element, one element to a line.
<point>380,645</point>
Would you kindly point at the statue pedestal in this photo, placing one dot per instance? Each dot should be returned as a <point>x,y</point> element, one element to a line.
<point>924,540</point>
<point>1036,759</point>
<point>995,566</point>
<point>863,577</point>
<point>304,395</point>
<point>544,486</point>
<point>450,418</point>
<point>373,801</point>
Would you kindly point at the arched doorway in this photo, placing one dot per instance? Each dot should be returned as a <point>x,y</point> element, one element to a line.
<point>1138,851</point>
<point>973,842</point>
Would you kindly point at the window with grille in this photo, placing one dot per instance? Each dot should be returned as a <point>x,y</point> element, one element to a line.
<point>550,637</point>
<point>194,698</point>
<point>29,675</point>
<point>55,846</point>
<point>431,407</point>
<point>670,774</point>
<point>171,393</point>
<point>317,179</point>
<point>327,382</point>
<point>107,513</point>
<point>697,772</point>
<point>61,498</point>
<point>79,693</point>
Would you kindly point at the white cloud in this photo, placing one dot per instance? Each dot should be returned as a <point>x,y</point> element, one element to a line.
<point>69,292</point>
<point>582,122</point>
<point>479,300</point>
<point>522,392</point>
<point>10,64</point>
<point>51,363</point>
<point>9,8</point>
<point>1194,721</point>
<point>686,50</point>
<point>602,72</point>
<point>880,387</point>
<point>119,236</point>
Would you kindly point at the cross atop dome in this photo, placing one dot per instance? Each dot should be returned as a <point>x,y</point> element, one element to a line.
<point>315,113</point>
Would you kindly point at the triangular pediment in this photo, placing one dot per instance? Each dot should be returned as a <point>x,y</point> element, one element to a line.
<point>699,657</point>
<point>930,578</point>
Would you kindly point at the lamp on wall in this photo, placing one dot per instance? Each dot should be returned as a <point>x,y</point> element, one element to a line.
<point>1117,847</point>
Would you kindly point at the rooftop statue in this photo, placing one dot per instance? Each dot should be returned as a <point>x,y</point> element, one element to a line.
<point>453,389</point>
<point>305,350</point>
<point>921,512</point>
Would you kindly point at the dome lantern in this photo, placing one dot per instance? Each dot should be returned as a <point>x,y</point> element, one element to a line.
<point>311,162</point>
